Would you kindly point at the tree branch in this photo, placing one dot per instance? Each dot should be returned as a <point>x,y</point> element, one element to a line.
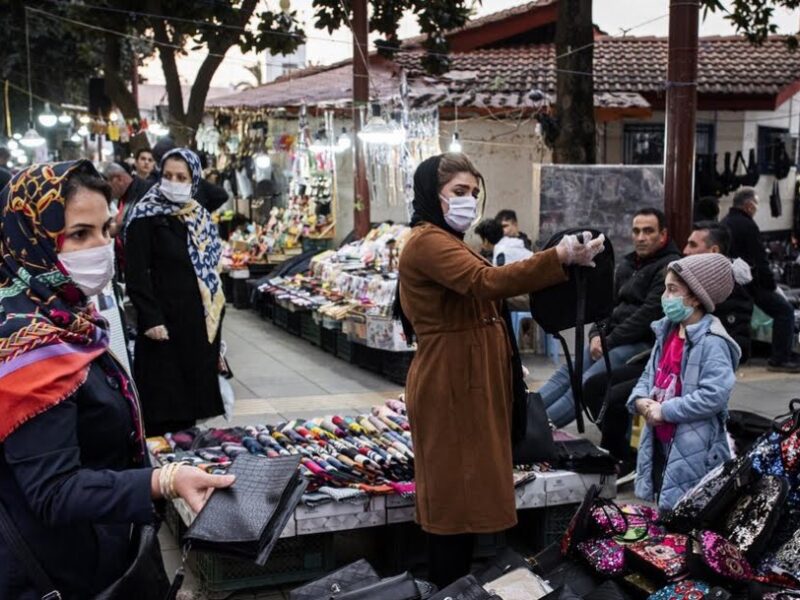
<point>115,86</point>
<point>217,49</point>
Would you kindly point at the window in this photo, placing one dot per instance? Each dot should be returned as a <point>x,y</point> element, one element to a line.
<point>288,68</point>
<point>770,141</point>
<point>643,143</point>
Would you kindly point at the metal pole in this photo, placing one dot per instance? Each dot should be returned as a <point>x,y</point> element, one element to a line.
<point>361,213</point>
<point>680,117</point>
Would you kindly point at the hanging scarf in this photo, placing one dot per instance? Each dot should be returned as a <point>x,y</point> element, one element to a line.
<point>205,248</point>
<point>49,334</point>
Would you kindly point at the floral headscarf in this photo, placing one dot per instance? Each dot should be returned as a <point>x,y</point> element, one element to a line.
<point>49,335</point>
<point>205,247</point>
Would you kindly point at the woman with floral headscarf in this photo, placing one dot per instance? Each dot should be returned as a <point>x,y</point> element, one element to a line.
<point>172,252</point>
<point>74,476</point>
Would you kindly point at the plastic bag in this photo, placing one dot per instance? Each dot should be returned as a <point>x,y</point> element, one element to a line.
<point>228,397</point>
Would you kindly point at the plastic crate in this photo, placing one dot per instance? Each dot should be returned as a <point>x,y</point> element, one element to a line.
<point>267,306</point>
<point>396,365</point>
<point>328,338</point>
<point>293,559</point>
<point>227,286</point>
<point>547,525</point>
<point>344,348</point>
<point>316,245</point>
<point>370,359</point>
<point>280,316</point>
<point>310,329</point>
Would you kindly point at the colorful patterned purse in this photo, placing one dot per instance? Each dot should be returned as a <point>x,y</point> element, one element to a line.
<point>660,559</point>
<point>690,589</point>
<point>714,558</point>
<point>786,560</point>
<point>604,555</point>
<point>711,496</point>
<point>627,523</point>
<point>579,528</point>
<point>749,525</point>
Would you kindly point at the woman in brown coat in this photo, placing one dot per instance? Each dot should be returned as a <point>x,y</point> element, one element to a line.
<point>459,388</point>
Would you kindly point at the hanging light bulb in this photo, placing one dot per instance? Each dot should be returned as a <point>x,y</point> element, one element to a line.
<point>17,152</point>
<point>455,143</point>
<point>65,119</point>
<point>22,160</point>
<point>17,136</point>
<point>32,139</point>
<point>76,138</point>
<point>85,119</point>
<point>48,118</point>
<point>113,117</point>
<point>83,131</point>
<point>12,144</point>
<point>344,142</point>
<point>262,160</point>
<point>319,144</point>
<point>378,131</point>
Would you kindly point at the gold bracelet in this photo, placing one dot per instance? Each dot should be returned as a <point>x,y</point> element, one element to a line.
<point>172,492</point>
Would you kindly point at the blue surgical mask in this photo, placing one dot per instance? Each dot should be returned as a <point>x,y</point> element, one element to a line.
<point>675,310</point>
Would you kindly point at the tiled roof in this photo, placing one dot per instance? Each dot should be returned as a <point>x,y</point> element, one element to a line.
<point>628,72</point>
<point>494,17</point>
<point>623,67</point>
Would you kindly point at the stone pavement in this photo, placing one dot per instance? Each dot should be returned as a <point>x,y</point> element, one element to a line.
<point>279,376</point>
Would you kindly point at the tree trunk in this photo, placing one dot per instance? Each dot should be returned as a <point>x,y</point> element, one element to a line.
<point>576,142</point>
<point>115,85</point>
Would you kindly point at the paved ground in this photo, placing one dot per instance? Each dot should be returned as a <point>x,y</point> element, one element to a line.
<point>280,376</point>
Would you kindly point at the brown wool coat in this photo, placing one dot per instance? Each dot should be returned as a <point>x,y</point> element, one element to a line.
<point>459,388</point>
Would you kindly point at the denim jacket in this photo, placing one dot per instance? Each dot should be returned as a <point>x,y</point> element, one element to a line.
<point>700,443</point>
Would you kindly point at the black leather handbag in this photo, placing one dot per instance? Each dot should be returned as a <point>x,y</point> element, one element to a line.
<point>466,588</point>
<point>400,587</point>
<point>247,518</point>
<point>351,577</point>
<point>144,578</point>
<point>537,445</point>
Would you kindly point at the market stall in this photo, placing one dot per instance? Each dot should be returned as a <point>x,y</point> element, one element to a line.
<point>360,475</point>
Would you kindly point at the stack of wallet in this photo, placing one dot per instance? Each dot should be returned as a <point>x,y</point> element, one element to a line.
<point>247,518</point>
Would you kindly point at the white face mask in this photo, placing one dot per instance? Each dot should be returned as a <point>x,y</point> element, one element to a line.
<point>179,193</point>
<point>90,269</point>
<point>461,212</point>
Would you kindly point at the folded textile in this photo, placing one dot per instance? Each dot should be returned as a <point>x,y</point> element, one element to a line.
<point>247,518</point>
<point>350,495</point>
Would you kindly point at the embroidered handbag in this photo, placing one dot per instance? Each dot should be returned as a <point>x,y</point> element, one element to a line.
<point>786,560</point>
<point>604,555</point>
<point>627,522</point>
<point>690,589</point>
<point>752,520</point>
<point>711,496</point>
<point>579,528</point>
<point>714,558</point>
<point>661,559</point>
<point>783,595</point>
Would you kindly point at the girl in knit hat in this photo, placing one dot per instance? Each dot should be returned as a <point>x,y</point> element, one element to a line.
<point>684,390</point>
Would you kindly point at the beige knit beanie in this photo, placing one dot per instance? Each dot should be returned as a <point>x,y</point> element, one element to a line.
<point>708,276</point>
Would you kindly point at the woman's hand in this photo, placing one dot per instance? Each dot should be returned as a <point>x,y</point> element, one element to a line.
<point>192,484</point>
<point>195,485</point>
<point>572,252</point>
<point>158,333</point>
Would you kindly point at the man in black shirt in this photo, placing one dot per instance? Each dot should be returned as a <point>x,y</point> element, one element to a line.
<point>746,244</point>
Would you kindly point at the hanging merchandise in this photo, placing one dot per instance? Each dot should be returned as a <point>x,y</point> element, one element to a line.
<point>783,162</point>
<point>775,202</point>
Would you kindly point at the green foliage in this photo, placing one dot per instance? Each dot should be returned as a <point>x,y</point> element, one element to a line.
<point>435,18</point>
<point>753,18</point>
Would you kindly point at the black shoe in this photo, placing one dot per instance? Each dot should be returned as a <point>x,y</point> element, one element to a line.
<point>784,367</point>
<point>626,471</point>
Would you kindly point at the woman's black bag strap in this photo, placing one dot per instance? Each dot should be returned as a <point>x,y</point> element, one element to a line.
<point>36,573</point>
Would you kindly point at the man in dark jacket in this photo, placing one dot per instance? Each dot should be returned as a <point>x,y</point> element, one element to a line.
<point>746,244</point>
<point>736,312</point>
<point>639,283</point>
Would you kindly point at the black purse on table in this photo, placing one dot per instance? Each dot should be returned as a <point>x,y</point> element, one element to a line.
<point>351,577</point>
<point>247,518</point>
